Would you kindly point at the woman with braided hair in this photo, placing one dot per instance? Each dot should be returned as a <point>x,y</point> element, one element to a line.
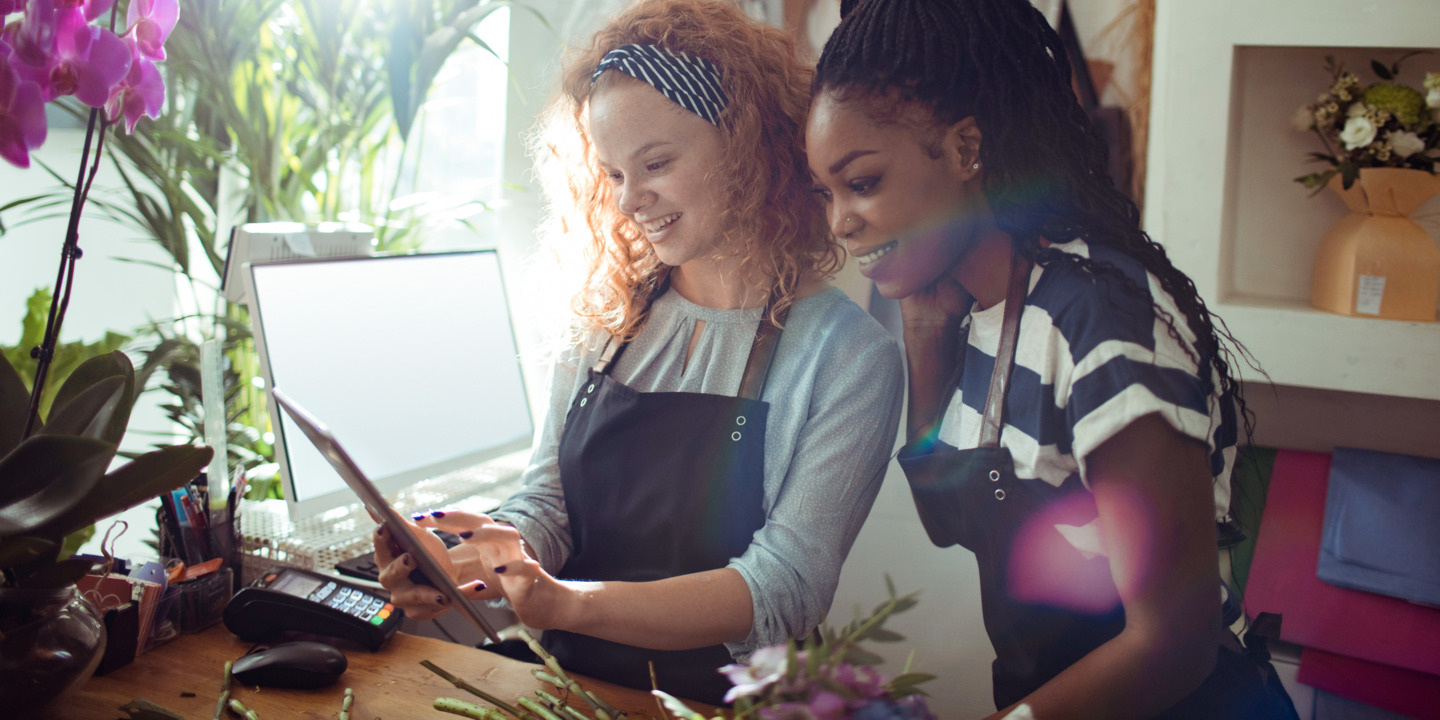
<point>1073,413</point>
<point>718,428</point>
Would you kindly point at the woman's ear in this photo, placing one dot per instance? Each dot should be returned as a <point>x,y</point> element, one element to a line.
<point>962,148</point>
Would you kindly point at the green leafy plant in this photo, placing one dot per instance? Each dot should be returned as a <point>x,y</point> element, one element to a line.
<point>54,482</point>
<point>68,355</point>
<point>278,110</point>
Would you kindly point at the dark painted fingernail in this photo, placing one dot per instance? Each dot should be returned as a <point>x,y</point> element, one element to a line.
<point>479,585</point>
<point>466,535</point>
<point>500,569</point>
<point>417,518</point>
<point>439,599</point>
<point>438,513</point>
<point>408,562</point>
<point>380,531</point>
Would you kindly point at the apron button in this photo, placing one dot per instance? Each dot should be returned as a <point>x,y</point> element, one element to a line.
<point>994,476</point>
<point>582,401</point>
<point>740,420</point>
<point>999,494</point>
<point>591,388</point>
<point>735,436</point>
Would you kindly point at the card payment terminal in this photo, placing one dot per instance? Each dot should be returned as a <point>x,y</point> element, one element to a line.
<point>292,599</point>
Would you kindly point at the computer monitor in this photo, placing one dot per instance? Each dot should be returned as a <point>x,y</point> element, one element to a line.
<point>411,358</point>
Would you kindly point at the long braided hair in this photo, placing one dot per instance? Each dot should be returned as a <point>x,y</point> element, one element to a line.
<point>1000,62</point>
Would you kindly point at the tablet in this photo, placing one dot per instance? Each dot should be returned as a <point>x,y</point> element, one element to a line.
<point>400,530</point>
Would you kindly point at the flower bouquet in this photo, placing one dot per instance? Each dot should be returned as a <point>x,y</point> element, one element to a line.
<point>1381,125</point>
<point>828,677</point>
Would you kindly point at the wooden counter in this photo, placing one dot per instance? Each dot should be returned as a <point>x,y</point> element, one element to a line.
<point>389,684</point>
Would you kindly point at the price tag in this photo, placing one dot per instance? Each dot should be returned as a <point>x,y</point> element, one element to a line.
<point>1369,294</point>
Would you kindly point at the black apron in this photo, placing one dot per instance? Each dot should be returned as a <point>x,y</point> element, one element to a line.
<point>658,485</point>
<point>972,498</point>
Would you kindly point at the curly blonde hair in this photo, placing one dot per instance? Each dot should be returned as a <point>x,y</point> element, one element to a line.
<point>769,215</point>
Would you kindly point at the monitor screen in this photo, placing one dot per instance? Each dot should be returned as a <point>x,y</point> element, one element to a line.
<point>409,359</point>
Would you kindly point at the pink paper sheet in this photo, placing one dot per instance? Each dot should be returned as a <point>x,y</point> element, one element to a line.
<point>1317,615</point>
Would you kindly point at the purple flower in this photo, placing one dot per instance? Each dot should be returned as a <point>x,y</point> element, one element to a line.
<point>865,682</point>
<point>33,39</point>
<point>151,22</point>
<point>140,92</point>
<point>826,705</point>
<point>88,61</point>
<point>10,6</point>
<point>95,8</point>
<point>22,114</point>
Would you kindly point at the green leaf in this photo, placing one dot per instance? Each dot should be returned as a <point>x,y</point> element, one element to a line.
<point>75,540</point>
<point>14,406</point>
<point>1349,173</point>
<point>135,482</point>
<point>90,412</point>
<point>880,634</point>
<point>911,679</point>
<point>856,655</point>
<point>45,478</point>
<point>1381,71</point>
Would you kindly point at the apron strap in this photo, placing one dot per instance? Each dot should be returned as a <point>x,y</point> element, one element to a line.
<point>611,354</point>
<point>762,353</point>
<point>757,367</point>
<point>1005,356</point>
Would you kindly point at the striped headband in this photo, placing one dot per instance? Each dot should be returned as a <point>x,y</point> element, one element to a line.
<point>692,82</point>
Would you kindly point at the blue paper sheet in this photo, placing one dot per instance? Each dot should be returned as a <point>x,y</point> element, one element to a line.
<point>1382,525</point>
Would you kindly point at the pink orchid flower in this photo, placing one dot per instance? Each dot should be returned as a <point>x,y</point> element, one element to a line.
<point>22,114</point>
<point>94,8</point>
<point>151,22</point>
<point>33,39</point>
<point>88,61</point>
<point>140,92</point>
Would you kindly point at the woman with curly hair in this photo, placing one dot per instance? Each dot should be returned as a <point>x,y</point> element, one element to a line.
<point>718,430</point>
<point>1073,411</point>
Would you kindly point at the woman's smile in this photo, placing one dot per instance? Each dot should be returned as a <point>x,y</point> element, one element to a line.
<point>870,256</point>
<point>655,227</point>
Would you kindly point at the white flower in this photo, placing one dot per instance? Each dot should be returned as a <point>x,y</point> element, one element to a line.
<point>1358,132</point>
<point>1432,98</point>
<point>1356,110</point>
<point>1405,143</point>
<point>1304,119</point>
<point>767,666</point>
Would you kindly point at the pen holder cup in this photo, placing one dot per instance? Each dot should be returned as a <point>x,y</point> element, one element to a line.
<point>202,601</point>
<point>222,541</point>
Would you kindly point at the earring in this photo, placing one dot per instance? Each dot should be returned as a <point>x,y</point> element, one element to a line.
<point>976,166</point>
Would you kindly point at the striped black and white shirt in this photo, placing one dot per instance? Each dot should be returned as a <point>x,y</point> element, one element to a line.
<point>1091,358</point>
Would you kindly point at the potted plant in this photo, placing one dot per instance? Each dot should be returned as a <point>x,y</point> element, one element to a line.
<point>52,484</point>
<point>1381,142</point>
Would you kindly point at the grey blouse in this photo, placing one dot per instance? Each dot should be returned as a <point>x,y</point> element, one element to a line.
<point>834,391</point>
